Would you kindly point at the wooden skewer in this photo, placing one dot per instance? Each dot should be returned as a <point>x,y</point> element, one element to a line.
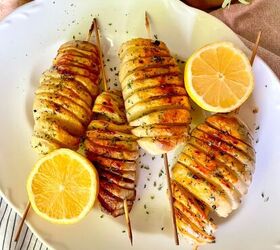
<point>147,24</point>
<point>22,221</point>
<point>254,53</point>
<point>128,223</point>
<point>255,49</point>
<point>104,78</point>
<point>195,247</point>
<point>176,238</point>
<point>91,30</point>
<point>29,204</point>
<point>105,87</point>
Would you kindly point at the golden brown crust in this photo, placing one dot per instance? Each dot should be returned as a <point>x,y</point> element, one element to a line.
<point>154,93</point>
<point>112,147</point>
<point>215,168</point>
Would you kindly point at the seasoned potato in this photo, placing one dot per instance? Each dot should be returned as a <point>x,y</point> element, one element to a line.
<point>153,93</point>
<point>144,108</point>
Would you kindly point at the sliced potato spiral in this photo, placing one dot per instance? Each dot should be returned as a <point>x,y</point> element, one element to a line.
<point>113,149</point>
<point>156,102</point>
<point>63,101</point>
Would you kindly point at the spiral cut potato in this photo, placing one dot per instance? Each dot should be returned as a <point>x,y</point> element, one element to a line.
<point>213,173</point>
<point>156,103</point>
<point>63,101</point>
<point>113,149</point>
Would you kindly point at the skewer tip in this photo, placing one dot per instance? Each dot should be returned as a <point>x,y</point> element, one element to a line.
<point>22,222</point>
<point>255,49</point>
<point>91,29</point>
<point>104,77</point>
<point>176,238</point>
<point>128,223</point>
<point>147,24</point>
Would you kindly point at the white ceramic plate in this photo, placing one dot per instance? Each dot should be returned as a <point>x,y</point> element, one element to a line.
<point>29,40</point>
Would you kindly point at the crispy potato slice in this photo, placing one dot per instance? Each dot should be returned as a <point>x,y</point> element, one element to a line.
<point>143,108</point>
<point>244,174</point>
<point>113,164</point>
<point>143,42</point>
<point>224,147</point>
<point>231,125</point>
<point>74,86</point>
<point>140,63</point>
<point>110,151</point>
<point>76,59</point>
<point>159,130</point>
<point>228,139</point>
<point>83,114</point>
<point>142,52</point>
<point>63,91</point>
<point>110,99</point>
<point>43,145</point>
<point>213,196</point>
<point>70,69</point>
<point>118,180</point>
<point>111,203</point>
<point>142,84</point>
<point>150,73</point>
<point>67,120</point>
<point>217,178</point>
<point>110,135</point>
<point>81,45</point>
<point>160,145</point>
<point>214,169</point>
<point>91,86</point>
<point>205,228</point>
<point>122,193</point>
<point>192,232</point>
<point>120,145</point>
<point>65,62</point>
<point>169,116</point>
<point>154,92</point>
<point>112,114</point>
<point>111,106</point>
<point>188,200</point>
<point>131,175</point>
<point>107,125</point>
<point>53,130</point>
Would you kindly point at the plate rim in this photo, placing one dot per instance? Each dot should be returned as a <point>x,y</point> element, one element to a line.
<point>26,7</point>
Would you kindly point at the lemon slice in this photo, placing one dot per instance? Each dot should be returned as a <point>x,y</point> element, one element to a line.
<point>218,77</point>
<point>62,187</point>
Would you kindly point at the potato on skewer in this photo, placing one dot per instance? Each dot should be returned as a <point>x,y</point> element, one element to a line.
<point>155,99</point>
<point>63,101</point>
<point>113,149</point>
<point>214,169</point>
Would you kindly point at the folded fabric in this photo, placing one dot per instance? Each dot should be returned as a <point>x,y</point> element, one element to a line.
<point>248,20</point>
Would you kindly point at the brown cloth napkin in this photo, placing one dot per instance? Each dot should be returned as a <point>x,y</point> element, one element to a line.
<point>7,6</point>
<point>247,20</point>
